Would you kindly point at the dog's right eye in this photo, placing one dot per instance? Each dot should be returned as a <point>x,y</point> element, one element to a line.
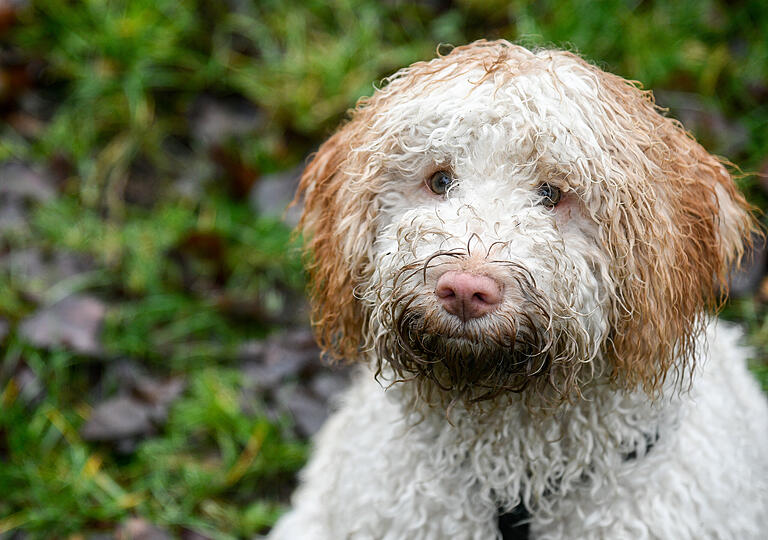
<point>439,182</point>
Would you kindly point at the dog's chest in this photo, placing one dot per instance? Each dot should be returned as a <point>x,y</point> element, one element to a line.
<point>518,465</point>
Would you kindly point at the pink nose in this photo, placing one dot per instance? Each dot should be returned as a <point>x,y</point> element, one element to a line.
<point>468,296</point>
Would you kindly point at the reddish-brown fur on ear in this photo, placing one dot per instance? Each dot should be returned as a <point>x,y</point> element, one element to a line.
<point>338,228</point>
<point>675,230</point>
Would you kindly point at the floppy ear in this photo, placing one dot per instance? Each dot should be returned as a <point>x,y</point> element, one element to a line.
<point>338,226</point>
<point>736,225</point>
<point>675,227</point>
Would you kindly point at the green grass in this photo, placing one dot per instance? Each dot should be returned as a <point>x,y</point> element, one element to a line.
<point>188,278</point>
<point>215,469</point>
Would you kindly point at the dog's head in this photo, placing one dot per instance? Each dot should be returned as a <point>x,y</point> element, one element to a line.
<point>498,217</point>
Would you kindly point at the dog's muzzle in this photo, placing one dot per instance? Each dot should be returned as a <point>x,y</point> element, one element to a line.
<point>473,335</point>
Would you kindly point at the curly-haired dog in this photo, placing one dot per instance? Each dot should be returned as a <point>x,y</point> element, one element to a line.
<point>522,251</point>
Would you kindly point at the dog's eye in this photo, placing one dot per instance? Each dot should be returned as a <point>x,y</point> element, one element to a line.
<point>550,195</point>
<point>439,182</point>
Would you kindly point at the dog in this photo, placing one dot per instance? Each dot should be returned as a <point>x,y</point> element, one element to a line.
<point>521,252</point>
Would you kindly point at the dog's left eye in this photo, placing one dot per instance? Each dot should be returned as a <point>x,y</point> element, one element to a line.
<point>439,182</point>
<point>550,195</point>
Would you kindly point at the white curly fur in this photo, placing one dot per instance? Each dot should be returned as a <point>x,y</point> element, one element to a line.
<point>634,417</point>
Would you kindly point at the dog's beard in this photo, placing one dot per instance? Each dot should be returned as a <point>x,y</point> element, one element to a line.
<point>524,349</point>
<point>473,367</point>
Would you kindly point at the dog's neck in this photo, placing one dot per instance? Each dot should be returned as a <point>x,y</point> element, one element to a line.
<point>537,452</point>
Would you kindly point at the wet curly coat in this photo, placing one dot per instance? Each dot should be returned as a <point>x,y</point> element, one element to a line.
<point>595,392</point>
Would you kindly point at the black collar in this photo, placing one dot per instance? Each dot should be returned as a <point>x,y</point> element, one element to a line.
<point>515,525</point>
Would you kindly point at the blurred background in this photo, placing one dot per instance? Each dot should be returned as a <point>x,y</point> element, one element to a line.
<point>158,378</point>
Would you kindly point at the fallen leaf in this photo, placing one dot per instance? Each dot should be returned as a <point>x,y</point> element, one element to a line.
<point>118,418</point>
<point>287,355</point>
<point>214,119</point>
<point>23,181</point>
<point>137,528</point>
<point>272,194</point>
<point>74,323</point>
<point>308,412</point>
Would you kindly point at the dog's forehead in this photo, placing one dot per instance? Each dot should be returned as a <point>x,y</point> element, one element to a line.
<point>552,104</point>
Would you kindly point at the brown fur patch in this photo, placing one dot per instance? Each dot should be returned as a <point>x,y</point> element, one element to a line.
<point>673,245</point>
<point>338,227</point>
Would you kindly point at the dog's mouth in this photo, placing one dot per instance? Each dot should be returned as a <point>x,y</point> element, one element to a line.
<point>475,365</point>
<point>486,363</point>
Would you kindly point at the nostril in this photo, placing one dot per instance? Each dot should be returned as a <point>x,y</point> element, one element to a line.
<point>444,291</point>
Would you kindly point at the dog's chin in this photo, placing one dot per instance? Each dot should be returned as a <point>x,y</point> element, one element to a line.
<point>466,363</point>
<point>513,358</point>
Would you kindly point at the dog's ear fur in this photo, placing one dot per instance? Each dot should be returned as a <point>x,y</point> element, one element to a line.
<point>675,231</point>
<point>338,228</point>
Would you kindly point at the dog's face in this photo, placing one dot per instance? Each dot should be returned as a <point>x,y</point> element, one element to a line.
<point>497,218</point>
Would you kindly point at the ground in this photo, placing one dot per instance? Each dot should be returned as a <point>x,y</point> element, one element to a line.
<point>157,373</point>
